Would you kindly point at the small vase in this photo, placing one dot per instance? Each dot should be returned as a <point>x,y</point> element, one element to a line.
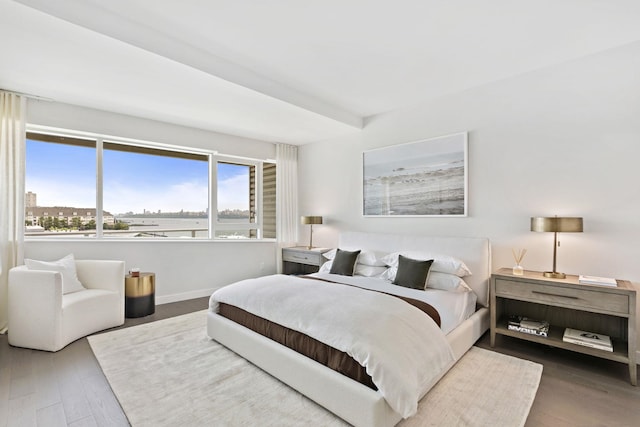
<point>518,270</point>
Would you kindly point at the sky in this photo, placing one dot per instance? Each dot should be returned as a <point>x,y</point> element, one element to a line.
<point>65,175</point>
<point>441,152</point>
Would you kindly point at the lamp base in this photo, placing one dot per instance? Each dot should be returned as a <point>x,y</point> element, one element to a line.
<point>554,275</point>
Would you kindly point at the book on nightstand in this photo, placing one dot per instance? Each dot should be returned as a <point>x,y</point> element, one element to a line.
<point>528,326</point>
<point>595,280</point>
<point>587,339</point>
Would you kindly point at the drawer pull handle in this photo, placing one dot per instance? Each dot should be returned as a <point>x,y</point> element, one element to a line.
<point>299,257</point>
<point>554,295</point>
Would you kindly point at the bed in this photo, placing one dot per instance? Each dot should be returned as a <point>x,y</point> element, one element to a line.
<point>354,402</point>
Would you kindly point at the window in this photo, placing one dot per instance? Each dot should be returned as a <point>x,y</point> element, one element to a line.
<point>143,190</point>
<point>60,172</point>
<point>236,216</point>
<point>239,194</point>
<point>155,192</point>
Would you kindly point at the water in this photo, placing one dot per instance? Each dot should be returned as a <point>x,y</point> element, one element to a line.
<point>153,227</point>
<point>416,192</point>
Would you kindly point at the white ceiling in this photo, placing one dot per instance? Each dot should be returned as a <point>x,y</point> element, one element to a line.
<point>294,71</point>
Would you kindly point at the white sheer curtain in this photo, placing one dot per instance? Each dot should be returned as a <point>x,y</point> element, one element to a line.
<point>12,165</point>
<point>286,198</point>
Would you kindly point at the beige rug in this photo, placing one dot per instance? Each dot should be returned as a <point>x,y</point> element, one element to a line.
<point>169,373</point>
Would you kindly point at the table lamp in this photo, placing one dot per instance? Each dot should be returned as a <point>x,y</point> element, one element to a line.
<point>310,220</point>
<point>556,225</point>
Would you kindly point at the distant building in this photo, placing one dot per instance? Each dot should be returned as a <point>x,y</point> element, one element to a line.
<point>30,200</point>
<point>33,214</point>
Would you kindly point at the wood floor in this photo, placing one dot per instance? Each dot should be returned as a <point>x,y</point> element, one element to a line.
<point>68,388</point>
<point>575,389</point>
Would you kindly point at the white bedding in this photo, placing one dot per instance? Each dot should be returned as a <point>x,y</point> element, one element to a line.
<point>453,307</point>
<point>365,325</point>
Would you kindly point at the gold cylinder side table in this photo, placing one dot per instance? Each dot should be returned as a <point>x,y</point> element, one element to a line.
<point>139,295</point>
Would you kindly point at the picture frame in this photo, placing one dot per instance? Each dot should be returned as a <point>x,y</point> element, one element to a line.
<point>426,178</point>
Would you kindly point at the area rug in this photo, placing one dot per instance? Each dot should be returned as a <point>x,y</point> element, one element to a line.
<point>169,373</point>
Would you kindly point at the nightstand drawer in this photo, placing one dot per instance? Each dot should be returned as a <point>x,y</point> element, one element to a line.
<point>300,257</point>
<point>581,299</point>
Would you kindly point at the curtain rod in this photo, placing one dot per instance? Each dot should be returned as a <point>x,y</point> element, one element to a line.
<point>26,95</point>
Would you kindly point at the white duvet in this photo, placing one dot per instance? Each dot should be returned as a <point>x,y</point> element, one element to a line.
<point>454,307</point>
<point>401,348</point>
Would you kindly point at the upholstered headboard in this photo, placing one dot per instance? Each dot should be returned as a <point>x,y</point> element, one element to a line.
<point>474,251</point>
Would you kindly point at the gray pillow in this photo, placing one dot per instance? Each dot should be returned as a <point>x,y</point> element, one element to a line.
<point>344,263</point>
<point>412,273</point>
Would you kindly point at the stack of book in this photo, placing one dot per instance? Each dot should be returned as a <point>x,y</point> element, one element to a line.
<point>595,280</point>
<point>528,326</point>
<point>587,339</point>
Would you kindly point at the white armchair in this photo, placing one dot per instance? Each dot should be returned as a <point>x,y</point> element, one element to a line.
<point>43,318</point>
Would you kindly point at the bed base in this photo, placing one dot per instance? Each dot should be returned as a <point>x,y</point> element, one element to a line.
<point>348,399</point>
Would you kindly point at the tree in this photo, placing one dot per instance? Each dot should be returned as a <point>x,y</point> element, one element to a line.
<point>76,223</point>
<point>118,225</point>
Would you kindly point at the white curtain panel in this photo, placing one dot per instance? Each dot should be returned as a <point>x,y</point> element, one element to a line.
<point>286,198</point>
<point>12,169</point>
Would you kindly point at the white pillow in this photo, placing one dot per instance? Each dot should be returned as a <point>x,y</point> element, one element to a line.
<point>441,263</point>
<point>65,266</point>
<point>447,282</point>
<point>369,270</point>
<point>330,254</point>
<point>326,267</point>
<point>371,258</point>
<point>366,257</point>
<point>435,280</point>
<point>361,270</point>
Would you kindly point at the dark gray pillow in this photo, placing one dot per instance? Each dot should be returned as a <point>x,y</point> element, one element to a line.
<point>412,273</point>
<point>344,263</point>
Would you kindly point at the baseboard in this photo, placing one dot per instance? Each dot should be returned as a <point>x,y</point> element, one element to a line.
<point>166,299</point>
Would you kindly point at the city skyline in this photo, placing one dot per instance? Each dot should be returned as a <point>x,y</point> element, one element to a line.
<point>64,175</point>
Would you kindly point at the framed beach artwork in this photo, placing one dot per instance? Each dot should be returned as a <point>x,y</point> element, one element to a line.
<point>422,178</point>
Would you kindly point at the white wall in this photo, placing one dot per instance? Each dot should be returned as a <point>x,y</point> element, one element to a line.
<point>184,269</point>
<point>72,117</point>
<point>563,140</point>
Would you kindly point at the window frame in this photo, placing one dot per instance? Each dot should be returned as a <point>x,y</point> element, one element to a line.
<point>213,158</point>
<point>213,190</point>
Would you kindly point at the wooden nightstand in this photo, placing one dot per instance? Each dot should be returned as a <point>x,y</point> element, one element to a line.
<point>565,303</point>
<point>300,260</point>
